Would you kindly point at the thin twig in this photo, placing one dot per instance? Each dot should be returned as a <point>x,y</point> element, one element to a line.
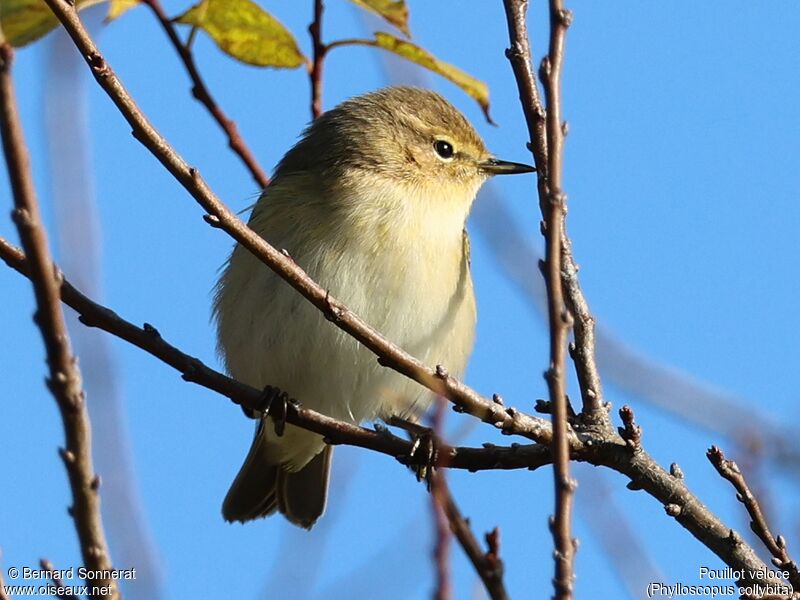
<point>447,517</point>
<point>519,55</point>
<point>558,316</point>
<point>508,420</point>
<point>201,93</point>
<point>758,523</point>
<point>59,583</point>
<point>583,349</point>
<point>319,51</point>
<point>443,586</point>
<point>546,140</point>
<point>487,564</point>
<point>64,380</point>
<point>350,42</point>
<point>439,498</point>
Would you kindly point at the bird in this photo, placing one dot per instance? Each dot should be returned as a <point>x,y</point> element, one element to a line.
<point>372,203</point>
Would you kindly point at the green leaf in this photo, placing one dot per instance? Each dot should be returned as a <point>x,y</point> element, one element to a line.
<point>117,7</point>
<point>394,11</point>
<point>474,87</point>
<point>243,30</point>
<point>24,21</point>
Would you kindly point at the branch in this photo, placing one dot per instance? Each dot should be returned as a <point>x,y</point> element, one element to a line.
<point>679,502</point>
<point>487,564</point>
<point>57,581</point>
<point>558,316</point>
<point>202,95</point>
<point>64,380</point>
<point>443,589</point>
<point>519,55</point>
<point>758,523</point>
<point>547,140</point>
<point>465,399</point>
<point>440,496</point>
<point>319,50</point>
<point>193,370</point>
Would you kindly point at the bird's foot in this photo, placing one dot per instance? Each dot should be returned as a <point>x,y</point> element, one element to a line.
<point>272,403</point>
<point>424,448</point>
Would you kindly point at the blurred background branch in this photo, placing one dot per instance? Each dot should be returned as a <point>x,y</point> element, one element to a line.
<point>79,236</point>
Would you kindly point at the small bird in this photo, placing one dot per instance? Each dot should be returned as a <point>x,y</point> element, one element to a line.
<point>372,203</point>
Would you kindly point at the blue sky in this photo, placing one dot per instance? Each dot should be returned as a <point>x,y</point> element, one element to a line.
<point>682,172</point>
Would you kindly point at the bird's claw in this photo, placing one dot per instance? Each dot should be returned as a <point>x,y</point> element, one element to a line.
<point>424,454</point>
<point>272,403</point>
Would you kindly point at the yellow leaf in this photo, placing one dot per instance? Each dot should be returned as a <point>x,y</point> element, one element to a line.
<point>23,21</point>
<point>394,11</point>
<point>117,7</point>
<point>243,30</point>
<point>474,87</point>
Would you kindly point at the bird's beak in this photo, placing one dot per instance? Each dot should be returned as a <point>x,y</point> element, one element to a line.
<point>494,166</point>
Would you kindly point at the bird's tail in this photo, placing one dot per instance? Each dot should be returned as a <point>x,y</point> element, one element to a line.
<point>265,485</point>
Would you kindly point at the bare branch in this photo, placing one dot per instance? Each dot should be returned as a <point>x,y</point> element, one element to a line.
<point>59,583</point>
<point>320,51</point>
<point>680,503</point>
<point>487,564</point>
<point>193,370</point>
<point>547,139</point>
<point>201,93</point>
<point>758,523</point>
<point>559,318</point>
<point>64,380</point>
<point>519,55</point>
<point>443,589</point>
<point>508,420</point>
<point>440,496</point>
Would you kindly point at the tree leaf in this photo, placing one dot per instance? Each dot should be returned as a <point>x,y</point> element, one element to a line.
<point>243,30</point>
<point>474,87</point>
<point>24,21</point>
<point>117,7</point>
<point>394,11</point>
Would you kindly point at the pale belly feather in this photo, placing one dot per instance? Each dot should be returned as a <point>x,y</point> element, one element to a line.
<point>418,294</point>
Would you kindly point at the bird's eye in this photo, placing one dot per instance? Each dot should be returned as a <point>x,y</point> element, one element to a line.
<point>444,149</point>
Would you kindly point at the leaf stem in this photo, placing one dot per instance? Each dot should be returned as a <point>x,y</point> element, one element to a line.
<point>203,95</point>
